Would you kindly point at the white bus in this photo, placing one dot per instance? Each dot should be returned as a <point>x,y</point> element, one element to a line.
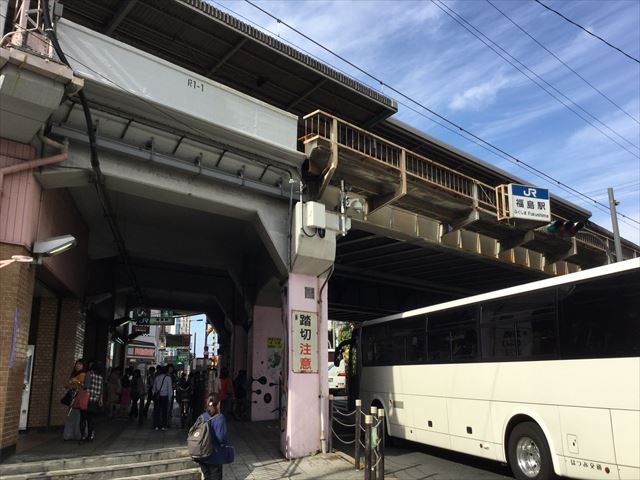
<point>543,376</point>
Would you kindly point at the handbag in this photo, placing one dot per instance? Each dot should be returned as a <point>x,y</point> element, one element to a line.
<point>68,397</point>
<point>81,401</point>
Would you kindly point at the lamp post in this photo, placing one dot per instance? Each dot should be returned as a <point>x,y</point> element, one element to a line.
<point>16,258</point>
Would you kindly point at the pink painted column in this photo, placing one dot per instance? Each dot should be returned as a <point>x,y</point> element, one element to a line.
<point>305,421</point>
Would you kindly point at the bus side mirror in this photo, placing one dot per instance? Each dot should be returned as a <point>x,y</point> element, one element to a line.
<point>337,356</point>
<point>336,361</point>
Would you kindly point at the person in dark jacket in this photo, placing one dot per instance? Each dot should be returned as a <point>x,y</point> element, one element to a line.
<point>211,466</point>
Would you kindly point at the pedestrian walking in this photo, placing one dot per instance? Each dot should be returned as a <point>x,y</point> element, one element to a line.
<point>137,395</point>
<point>161,394</point>
<point>211,466</point>
<point>72,422</point>
<point>113,391</point>
<point>226,391</point>
<point>125,395</point>
<point>151,376</point>
<point>93,384</point>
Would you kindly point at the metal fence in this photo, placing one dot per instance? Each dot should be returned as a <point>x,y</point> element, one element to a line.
<point>369,436</point>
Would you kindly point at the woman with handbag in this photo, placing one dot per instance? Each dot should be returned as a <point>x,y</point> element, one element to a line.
<point>93,385</point>
<point>74,385</point>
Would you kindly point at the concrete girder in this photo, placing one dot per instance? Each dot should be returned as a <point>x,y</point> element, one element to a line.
<point>393,222</point>
<point>152,181</point>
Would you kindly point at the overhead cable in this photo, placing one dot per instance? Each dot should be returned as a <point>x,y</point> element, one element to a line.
<point>590,33</point>
<point>537,171</point>
<point>459,19</point>
<point>563,63</point>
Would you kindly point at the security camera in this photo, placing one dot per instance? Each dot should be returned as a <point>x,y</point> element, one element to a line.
<point>54,246</point>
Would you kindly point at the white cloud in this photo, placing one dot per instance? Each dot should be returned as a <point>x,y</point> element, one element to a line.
<point>478,96</point>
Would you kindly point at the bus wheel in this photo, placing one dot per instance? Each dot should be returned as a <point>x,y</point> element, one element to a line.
<point>529,455</point>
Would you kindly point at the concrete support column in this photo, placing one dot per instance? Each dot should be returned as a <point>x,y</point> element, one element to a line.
<point>70,347</point>
<point>306,397</point>
<point>16,296</point>
<point>239,349</point>
<point>266,340</point>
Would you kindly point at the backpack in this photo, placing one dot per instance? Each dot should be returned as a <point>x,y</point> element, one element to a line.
<point>200,442</point>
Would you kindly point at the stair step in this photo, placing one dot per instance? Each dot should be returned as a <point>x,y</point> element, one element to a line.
<point>92,461</point>
<point>188,474</point>
<point>153,468</point>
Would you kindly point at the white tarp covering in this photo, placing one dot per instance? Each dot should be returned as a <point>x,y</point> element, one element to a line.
<point>120,67</point>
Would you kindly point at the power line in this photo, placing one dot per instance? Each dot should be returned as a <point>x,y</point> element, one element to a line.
<point>413,109</point>
<point>563,63</point>
<point>460,128</point>
<point>453,14</point>
<point>582,28</point>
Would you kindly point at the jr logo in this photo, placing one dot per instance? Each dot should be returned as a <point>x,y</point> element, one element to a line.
<point>529,192</point>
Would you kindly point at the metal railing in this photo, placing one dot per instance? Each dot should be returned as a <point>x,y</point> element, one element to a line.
<point>319,124</point>
<point>367,144</point>
<point>369,437</point>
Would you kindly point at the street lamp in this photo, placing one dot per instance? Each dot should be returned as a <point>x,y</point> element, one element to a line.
<point>53,246</point>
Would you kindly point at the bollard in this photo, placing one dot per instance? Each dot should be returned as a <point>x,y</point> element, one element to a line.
<point>368,421</point>
<point>381,449</point>
<point>330,445</point>
<point>374,440</point>
<point>358,436</point>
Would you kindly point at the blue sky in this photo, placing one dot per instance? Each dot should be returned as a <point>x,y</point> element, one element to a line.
<point>419,50</point>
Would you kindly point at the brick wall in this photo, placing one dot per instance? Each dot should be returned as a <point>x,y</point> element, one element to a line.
<point>70,348</point>
<point>43,363</point>
<point>16,291</point>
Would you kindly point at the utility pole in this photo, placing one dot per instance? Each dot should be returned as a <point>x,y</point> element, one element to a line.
<point>614,223</point>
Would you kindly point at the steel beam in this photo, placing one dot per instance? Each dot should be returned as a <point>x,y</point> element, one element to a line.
<point>226,57</point>
<point>304,95</point>
<point>123,10</point>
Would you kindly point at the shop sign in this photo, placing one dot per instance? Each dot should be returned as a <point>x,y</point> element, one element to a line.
<point>155,321</point>
<point>304,334</point>
<point>141,352</point>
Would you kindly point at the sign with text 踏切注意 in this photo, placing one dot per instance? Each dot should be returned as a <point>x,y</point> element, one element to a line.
<point>304,342</point>
<point>530,203</point>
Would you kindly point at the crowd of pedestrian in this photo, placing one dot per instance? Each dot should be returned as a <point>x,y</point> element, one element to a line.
<point>203,396</point>
<point>127,394</point>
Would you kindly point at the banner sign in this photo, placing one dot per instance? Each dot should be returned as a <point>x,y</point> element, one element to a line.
<point>304,334</point>
<point>178,340</point>
<point>529,203</point>
<point>274,352</point>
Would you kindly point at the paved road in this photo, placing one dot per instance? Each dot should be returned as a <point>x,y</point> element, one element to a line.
<point>413,461</point>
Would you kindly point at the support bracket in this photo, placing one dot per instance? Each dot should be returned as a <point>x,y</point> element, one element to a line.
<point>516,241</point>
<point>571,252</point>
<point>462,222</point>
<point>379,201</point>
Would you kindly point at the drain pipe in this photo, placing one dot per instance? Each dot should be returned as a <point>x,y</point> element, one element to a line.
<point>39,162</point>
<point>31,164</point>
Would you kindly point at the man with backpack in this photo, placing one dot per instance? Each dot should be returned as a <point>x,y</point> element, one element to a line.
<point>207,441</point>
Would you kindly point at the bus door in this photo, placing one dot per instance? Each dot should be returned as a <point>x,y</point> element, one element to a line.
<point>348,350</point>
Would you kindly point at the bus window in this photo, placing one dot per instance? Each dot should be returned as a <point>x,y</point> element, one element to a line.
<point>377,345</point>
<point>521,326</point>
<point>601,318</point>
<point>452,335</point>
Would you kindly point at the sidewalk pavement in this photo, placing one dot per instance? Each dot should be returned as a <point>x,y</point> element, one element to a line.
<point>257,449</point>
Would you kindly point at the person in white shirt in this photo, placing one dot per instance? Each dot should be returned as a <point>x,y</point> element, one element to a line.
<point>162,390</point>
